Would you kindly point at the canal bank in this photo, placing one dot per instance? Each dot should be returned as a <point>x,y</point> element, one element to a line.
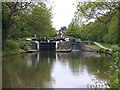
<point>9,53</point>
<point>91,46</point>
<point>61,46</point>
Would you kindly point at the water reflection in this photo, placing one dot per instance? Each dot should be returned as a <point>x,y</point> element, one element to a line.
<point>57,70</point>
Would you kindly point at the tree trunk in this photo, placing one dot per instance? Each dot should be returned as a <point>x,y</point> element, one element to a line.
<point>5,33</point>
<point>4,38</point>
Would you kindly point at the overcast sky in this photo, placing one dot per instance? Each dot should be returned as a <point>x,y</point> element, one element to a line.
<point>63,12</point>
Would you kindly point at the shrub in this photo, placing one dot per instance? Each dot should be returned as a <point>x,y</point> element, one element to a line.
<point>11,45</point>
<point>114,70</point>
<point>23,42</point>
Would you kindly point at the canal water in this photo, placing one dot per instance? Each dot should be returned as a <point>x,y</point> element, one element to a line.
<point>55,70</point>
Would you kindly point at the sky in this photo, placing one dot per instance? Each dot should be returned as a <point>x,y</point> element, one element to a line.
<point>63,12</point>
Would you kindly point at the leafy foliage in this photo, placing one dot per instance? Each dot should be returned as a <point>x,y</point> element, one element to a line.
<point>92,31</point>
<point>104,12</point>
<point>9,11</point>
<point>26,21</point>
<point>97,30</point>
<point>11,45</point>
<point>96,9</point>
<point>115,72</point>
<point>36,21</point>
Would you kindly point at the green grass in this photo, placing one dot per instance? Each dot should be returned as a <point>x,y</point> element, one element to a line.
<point>106,45</point>
<point>12,52</point>
<point>95,46</point>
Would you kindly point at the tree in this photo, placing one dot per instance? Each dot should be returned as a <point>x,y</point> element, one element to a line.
<point>90,10</point>
<point>63,28</point>
<point>40,20</point>
<point>95,10</point>
<point>73,29</point>
<point>9,10</point>
<point>112,35</point>
<point>94,31</point>
<point>26,19</point>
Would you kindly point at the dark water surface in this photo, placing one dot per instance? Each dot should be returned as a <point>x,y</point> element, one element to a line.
<point>55,70</point>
